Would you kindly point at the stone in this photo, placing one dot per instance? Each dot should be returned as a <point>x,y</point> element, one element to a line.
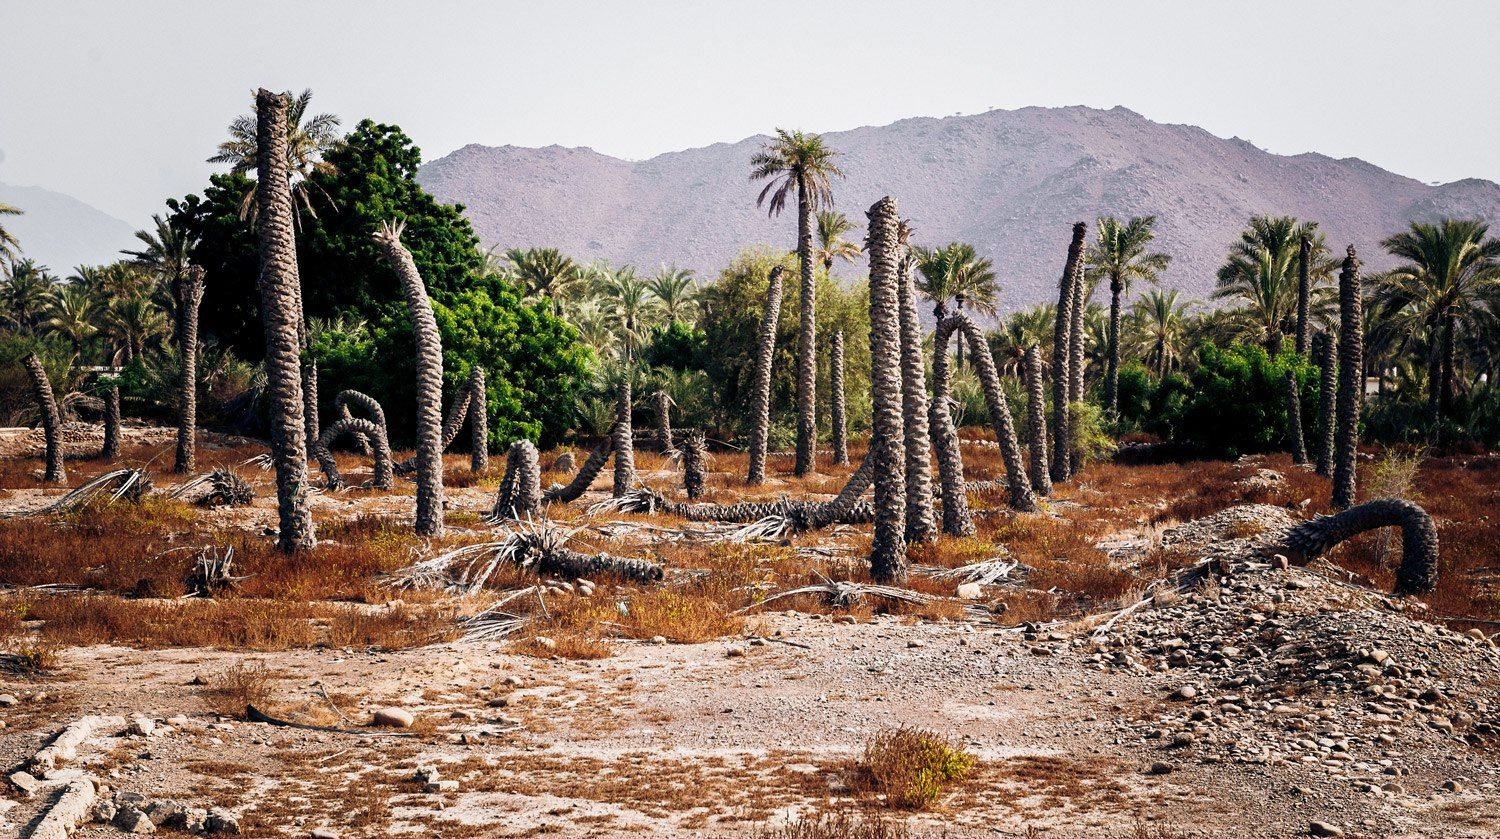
<point>25,782</point>
<point>441,786</point>
<point>659,640</point>
<point>970,591</point>
<point>142,726</point>
<point>8,699</point>
<point>1324,829</point>
<point>1185,693</point>
<point>1453,786</point>
<point>131,820</point>
<point>178,721</point>
<point>222,821</point>
<point>324,833</point>
<point>394,717</point>
<point>544,642</point>
<point>1280,562</point>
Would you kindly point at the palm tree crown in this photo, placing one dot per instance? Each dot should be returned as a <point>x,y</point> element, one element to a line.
<point>1261,270</point>
<point>832,244</point>
<point>307,139</point>
<point>676,291</point>
<point>955,273</point>
<point>793,160</point>
<point>10,247</point>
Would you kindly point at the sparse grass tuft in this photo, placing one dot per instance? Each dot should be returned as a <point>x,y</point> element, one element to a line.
<point>911,767</point>
<point>839,824</point>
<point>241,684</point>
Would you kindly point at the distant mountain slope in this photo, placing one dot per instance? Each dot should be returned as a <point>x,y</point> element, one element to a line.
<point>1010,182</point>
<point>61,232</point>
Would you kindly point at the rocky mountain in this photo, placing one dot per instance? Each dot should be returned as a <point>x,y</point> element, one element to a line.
<point>61,232</point>
<point>1010,182</point>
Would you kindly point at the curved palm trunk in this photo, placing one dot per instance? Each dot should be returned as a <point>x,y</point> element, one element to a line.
<point>887,442</point>
<point>836,399</point>
<point>453,422</point>
<point>279,292</point>
<point>376,414</point>
<point>807,339</point>
<point>46,404</point>
<point>760,409</point>
<point>586,475</point>
<point>920,526</point>
<point>1112,368</point>
<point>1062,364</point>
<point>429,517</point>
<point>361,442</point>
<point>1036,415</point>
<point>624,433</point>
<point>479,421</point>
<point>190,295</point>
<point>1351,381</point>
<point>664,423</point>
<point>111,448</point>
<point>1021,496</point>
<point>1326,356</point>
<point>693,471</point>
<point>1418,572</point>
<point>384,477</point>
<point>1304,291</point>
<point>1294,419</point>
<point>956,518</point>
<point>520,493</point>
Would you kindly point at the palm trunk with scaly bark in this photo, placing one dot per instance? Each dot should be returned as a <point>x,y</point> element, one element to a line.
<point>1326,357</point>
<point>190,295</point>
<point>520,492</point>
<point>376,414</point>
<point>1418,572</point>
<point>945,446</point>
<point>479,421</point>
<point>693,469</point>
<point>46,403</point>
<point>887,441</point>
<point>846,508</point>
<point>429,517</point>
<point>453,422</point>
<point>1351,381</point>
<point>920,526</point>
<point>1075,363</point>
<point>1036,415</point>
<point>310,394</point>
<point>1112,367</point>
<point>624,432</point>
<point>836,405</point>
<point>111,448</point>
<point>807,339</point>
<point>663,402</point>
<point>586,475</point>
<point>760,390</point>
<point>384,475</point>
<point>1294,419</point>
<point>1021,495</point>
<point>279,291</point>
<point>1304,292</point>
<point>1061,356</point>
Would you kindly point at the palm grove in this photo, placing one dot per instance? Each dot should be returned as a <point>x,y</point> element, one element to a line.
<point>318,258</point>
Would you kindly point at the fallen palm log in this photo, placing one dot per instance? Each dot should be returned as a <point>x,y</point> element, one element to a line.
<point>255,714</point>
<point>844,594</point>
<point>985,572</point>
<point>1418,571</point>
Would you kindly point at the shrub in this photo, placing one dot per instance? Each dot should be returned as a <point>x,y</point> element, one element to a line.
<point>912,766</point>
<point>1236,400</point>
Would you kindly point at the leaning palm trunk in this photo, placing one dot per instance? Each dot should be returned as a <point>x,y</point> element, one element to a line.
<point>279,284</point>
<point>190,295</point>
<point>1304,290</point>
<point>1326,356</point>
<point>1021,496</point>
<point>920,526</point>
<point>429,518</point>
<point>692,463</point>
<point>520,493</point>
<point>384,477</point>
<point>664,423</point>
<point>1036,415</point>
<point>836,399</point>
<point>1062,357</point>
<point>887,440</point>
<point>1351,381</point>
<point>46,403</point>
<point>1294,419</point>
<point>624,433</point>
<point>586,475</point>
<point>111,448</point>
<point>760,391</point>
<point>375,414</point>
<point>956,518</point>
<point>1418,571</point>
<point>479,421</point>
<point>807,339</point>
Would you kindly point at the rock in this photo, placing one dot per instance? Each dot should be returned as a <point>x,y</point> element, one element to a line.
<point>104,811</point>
<point>195,820</point>
<point>178,721</point>
<point>324,833</point>
<point>1185,693</point>
<point>222,821</point>
<point>1161,768</point>
<point>67,811</point>
<point>25,782</point>
<point>394,717</point>
<point>131,820</point>
<point>659,640</point>
<point>8,699</point>
<point>1324,829</point>
<point>970,591</point>
<point>1280,562</point>
<point>142,726</point>
<point>1453,786</point>
<point>167,813</point>
<point>441,786</point>
<point>544,642</point>
<point>734,652</point>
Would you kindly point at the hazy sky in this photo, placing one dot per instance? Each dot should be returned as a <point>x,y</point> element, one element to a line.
<point>118,103</point>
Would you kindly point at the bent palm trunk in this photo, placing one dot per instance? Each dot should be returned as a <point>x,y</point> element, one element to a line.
<point>384,477</point>
<point>1326,356</point>
<point>586,475</point>
<point>1021,496</point>
<point>1418,572</point>
<point>111,448</point>
<point>920,526</point>
<point>279,292</point>
<point>520,493</point>
<point>1351,381</point>
<point>836,404</point>
<point>479,421</point>
<point>429,518</point>
<point>956,518</point>
<point>376,414</point>
<point>1294,419</point>
<point>1036,415</point>
<point>887,442</point>
<point>190,292</point>
<point>760,392</point>
<point>46,404</point>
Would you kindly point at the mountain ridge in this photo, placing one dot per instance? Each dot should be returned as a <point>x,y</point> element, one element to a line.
<point>62,232</point>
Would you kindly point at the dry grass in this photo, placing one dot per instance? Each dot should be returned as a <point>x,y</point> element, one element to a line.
<point>241,684</point>
<point>910,768</point>
<point>839,824</point>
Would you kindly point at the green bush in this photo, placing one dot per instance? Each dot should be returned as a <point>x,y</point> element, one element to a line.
<point>1235,401</point>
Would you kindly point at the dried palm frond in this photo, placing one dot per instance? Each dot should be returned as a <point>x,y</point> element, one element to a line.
<point>844,593</point>
<point>986,572</point>
<point>130,484</point>
<point>226,489</point>
<point>261,461</point>
<point>212,573</point>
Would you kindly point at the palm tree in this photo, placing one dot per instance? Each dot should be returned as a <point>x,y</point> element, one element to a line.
<point>429,519</point>
<point>1451,270</point>
<point>132,323</point>
<point>190,291</point>
<point>166,256</point>
<point>543,272</point>
<point>307,140</point>
<point>800,163</point>
<point>1119,255</point>
<point>111,449</point>
<point>627,304</point>
<point>956,273</point>
<point>1325,355</point>
<point>1160,321</point>
<point>676,290</point>
<point>479,421</point>
<point>1304,291</point>
<point>73,314</point>
<point>1261,271</point>
<point>956,518</point>
<point>10,246</point>
<point>1062,353</point>
<point>920,526</point>
<point>1036,415</point>
<point>26,291</point>
<point>836,406</point>
<point>1027,328</point>
<point>1294,418</point>
<point>280,296</point>
<point>832,225</point>
<point>1351,382</point>
<point>46,402</point>
<point>760,391</point>
<point>887,440</point>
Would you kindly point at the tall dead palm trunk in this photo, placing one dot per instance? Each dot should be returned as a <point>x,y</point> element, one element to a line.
<point>664,423</point>
<point>189,296</point>
<point>760,390</point>
<point>1075,363</point>
<point>279,284</point>
<point>693,471</point>
<point>1036,415</point>
<point>1022,497</point>
<point>1351,381</point>
<point>1294,419</point>
<point>479,421</point>
<point>945,446</point>
<point>920,526</point>
<point>807,339</point>
<point>1326,356</point>
<point>836,399</point>
<point>624,433</point>
<point>111,448</point>
<point>1112,364</point>
<point>887,441</point>
<point>310,416</point>
<point>429,518</point>
<point>1304,291</point>
<point>1062,364</point>
<point>46,404</point>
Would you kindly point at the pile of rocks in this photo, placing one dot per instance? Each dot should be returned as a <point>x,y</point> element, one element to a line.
<point>133,812</point>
